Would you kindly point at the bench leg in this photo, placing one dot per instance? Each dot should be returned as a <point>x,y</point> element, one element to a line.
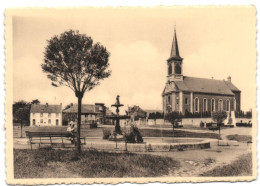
<point>62,141</point>
<point>51,141</point>
<point>30,142</point>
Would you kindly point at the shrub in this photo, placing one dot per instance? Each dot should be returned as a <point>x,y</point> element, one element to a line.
<point>106,133</point>
<point>134,136</point>
<point>93,125</point>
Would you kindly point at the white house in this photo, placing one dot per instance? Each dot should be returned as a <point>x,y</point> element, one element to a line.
<point>46,115</point>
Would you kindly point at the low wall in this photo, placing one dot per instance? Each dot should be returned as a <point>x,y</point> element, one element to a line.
<point>185,121</point>
<point>195,121</point>
<point>147,147</point>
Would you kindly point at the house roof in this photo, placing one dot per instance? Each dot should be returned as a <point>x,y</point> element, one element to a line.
<point>85,109</point>
<point>203,85</point>
<point>40,108</point>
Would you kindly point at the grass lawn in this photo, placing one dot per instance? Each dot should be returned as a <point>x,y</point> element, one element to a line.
<point>240,167</point>
<point>240,138</point>
<point>177,133</point>
<point>45,163</point>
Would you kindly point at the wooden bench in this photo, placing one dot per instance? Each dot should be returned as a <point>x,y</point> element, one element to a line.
<point>47,137</point>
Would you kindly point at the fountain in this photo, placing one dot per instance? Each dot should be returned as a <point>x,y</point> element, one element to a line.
<point>117,105</point>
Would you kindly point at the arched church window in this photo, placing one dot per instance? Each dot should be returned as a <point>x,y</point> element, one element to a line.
<point>228,105</point>
<point>235,104</point>
<point>169,69</point>
<point>169,99</point>
<point>177,68</point>
<point>212,105</point>
<point>220,105</point>
<point>205,108</point>
<point>196,104</point>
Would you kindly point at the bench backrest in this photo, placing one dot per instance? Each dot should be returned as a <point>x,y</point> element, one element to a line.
<point>47,134</point>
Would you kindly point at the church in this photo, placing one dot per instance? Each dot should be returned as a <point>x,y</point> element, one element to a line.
<point>196,95</point>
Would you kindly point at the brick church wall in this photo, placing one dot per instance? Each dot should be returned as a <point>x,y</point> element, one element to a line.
<point>238,100</point>
<point>201,96</point>
<point>186,106</point>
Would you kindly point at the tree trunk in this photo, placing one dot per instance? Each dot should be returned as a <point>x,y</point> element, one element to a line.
<point>218,133</point>
<point>78,125</point>
<point>173,130</point>
<point>21,129</point>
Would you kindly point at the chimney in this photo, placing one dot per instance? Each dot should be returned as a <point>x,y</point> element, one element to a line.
<point>229,78</point>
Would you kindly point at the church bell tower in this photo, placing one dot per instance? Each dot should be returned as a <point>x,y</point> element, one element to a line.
<point>174,63</point>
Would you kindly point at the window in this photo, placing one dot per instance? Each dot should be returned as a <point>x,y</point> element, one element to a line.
<point>49,121</point>
<point>196,104</point>
<point>186,101</point>
<point>41,121</point>
<point>33,121</point>
<point>177,68</point>
<point>41,114</point>
<point>228,105</point>
<point>220,105</point>
<point>57,122</point>
<point>169,69</point>
<point>212,105</point>
<point>235,104</point>
<point>49,115</point>
<point>205,108</point>
<point>169,99</point>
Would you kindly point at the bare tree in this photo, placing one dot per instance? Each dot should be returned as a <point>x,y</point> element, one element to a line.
<point>73,60</point>
<point>219,117</point>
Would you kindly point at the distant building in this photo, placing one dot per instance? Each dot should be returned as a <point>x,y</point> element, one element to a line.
<point>46,115</point>
<point>89,112</point>
<point>136,113</point>
<point>196,95</point>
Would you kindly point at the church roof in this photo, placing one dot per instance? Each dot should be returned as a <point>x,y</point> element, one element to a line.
<point>232,86</point>
<point>203,85</point>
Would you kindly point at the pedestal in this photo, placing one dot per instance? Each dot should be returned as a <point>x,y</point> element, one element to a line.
<point>117,127</point>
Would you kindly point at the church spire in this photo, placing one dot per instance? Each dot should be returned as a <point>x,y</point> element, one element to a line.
<point>175,49</point>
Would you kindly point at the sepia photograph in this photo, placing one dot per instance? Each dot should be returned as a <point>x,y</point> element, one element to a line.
<point>130,94</point>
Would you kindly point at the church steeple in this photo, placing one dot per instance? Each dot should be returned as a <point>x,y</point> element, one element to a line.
<point>175,61</point>
<point>175,48</point>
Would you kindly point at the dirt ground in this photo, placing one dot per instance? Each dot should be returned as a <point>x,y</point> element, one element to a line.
<point>196,162</point>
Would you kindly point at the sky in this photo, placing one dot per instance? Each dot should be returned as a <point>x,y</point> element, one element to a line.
<point>214,42</point>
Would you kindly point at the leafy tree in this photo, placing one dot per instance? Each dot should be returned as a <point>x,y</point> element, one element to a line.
<point>35,101</point>
<point>173,118</point>
<point>23,115</point>
<point>155,116</point>
<point>219,117</point>
<point>19,104</point>
<point>69,116</point>
<point>73,60</point>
